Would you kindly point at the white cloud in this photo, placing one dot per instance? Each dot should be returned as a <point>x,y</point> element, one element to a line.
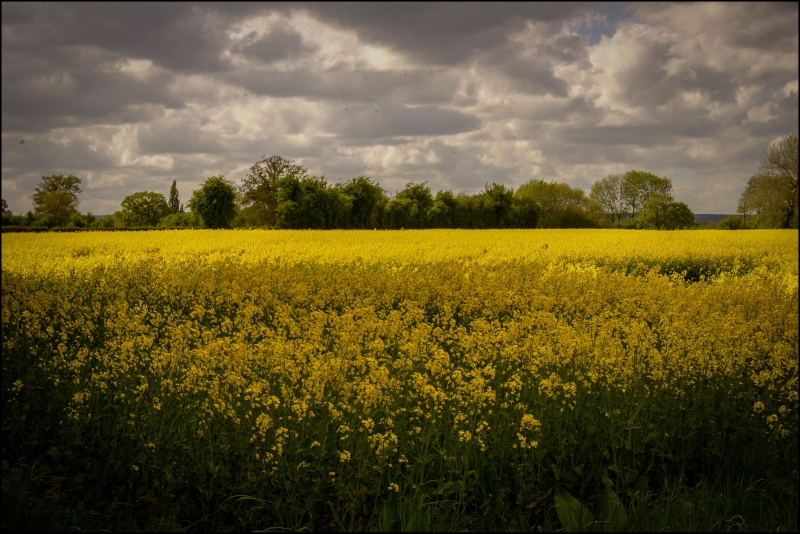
<point>456,95</point>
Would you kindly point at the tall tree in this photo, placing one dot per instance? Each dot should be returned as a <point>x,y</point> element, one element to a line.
<point>260,186</point>
<point>174,203</point>
<point>559,205</point>
<point>56,197</point>
<point>366,200</point>
<point>144,208</point>
<point>410,207</point>
<point>306,203</point>
<point>678,216</point>
<point>607,193</point>
<point>638,186</point>
<point>496,203</point>
<point>415,199</point>
<point>654,210</point>
<point>215,202</point>
<point>442,212</point>
<point>771,193</point>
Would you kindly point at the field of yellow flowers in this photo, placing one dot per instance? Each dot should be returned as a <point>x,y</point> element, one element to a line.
<point>406,380</point>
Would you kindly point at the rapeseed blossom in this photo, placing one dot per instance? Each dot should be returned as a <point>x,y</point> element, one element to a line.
<point>369,351</point>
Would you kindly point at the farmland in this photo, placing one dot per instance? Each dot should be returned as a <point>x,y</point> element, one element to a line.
<point>400,380</point>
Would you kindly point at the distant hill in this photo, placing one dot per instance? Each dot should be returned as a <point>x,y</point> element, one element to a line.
<point>713,217</point>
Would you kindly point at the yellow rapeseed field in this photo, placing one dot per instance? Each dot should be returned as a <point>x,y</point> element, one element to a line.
<point>358,359</point>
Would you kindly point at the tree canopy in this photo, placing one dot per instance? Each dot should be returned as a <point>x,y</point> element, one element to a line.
<point>215,202</point>
<point>260,187</point>
<point>56,198</point>
<point>144,208</point>
<point>279,193</point>
<point>771,193</point>
<point>174,202</point>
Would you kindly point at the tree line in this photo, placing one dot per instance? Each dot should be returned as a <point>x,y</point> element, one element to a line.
<point>279,193</point>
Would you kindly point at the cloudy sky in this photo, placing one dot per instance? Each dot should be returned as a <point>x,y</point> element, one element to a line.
<point>129,97</point>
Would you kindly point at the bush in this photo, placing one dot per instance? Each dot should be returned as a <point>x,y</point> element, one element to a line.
<point>180,220</point>
<point>731,222</point>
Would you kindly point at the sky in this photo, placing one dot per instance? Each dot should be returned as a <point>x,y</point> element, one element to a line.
<point>131,96</point>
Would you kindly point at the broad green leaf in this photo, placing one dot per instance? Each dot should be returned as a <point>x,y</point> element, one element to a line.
<point>574,516</point>
<point>616,516</point>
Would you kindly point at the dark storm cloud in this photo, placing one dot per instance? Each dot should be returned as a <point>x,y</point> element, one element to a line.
<point>64,154</point>
<point>181,37</point>
<point>131,94</point>
<point>177,137</point>
<point>84,87</point>
<point>439,33</point>
<point>281,44</point>
<point>344,84</point>
<point>644,135</point>
<point>369,124</point>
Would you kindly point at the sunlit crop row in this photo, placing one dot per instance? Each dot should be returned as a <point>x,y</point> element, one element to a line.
<point>335,355</point>
<point>486,247</point>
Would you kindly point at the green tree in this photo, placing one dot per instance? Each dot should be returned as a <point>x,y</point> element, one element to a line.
<point>559,205</point>
<point>56,198</point>
<point>366,200</point>
<point>607,193</point>
<point>306,202</point>
<point>526,211</point>
<point>411,206</point>
<point>442,212</point>
<point>174,202</point>
<point>731,222</point>
<point>678,216</point>
<point>771,193</point>
<point>654,210</point>
<point>260,186</point>
<point>5,206</point>
<point>143,208</point>
<point>638,186</point>
<point>180,220</point>
<point>496,204</point>
<point>215,202</point>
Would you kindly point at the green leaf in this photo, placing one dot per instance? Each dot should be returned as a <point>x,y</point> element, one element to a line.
<point>630,477</point>
<point>574,516</point>
<point>616,516</point>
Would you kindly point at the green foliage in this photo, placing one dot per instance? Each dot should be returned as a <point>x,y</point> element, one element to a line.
<point>180,219</point>
<point>679,217</point>
<point>144,208</point>
<point>771,193</point>
<point>496,205</point>
<point>654,210</point>
<point>557,205</point>
<point>574,516</point>
<point>638,186</point>
<point>607,193</point>
<point>215,202</point>
<point>731,222</point>
<point>363,203</point>
<point>308,203</point>
<point>410,207</point>
<point>279,193</point>
<point>174,202</point>
<point>56,198</point>
<point>260,186</point>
